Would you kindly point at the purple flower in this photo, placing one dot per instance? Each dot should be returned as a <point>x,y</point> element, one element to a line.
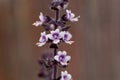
<point>62,57</point>
<point>71,16</point>
<point>65,76</point>
<point>55,36</point>
<point>43,39</point>
<point>66,36</point>
<point>42,20</point>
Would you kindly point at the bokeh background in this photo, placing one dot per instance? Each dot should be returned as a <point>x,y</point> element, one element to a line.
<point>95,53</point>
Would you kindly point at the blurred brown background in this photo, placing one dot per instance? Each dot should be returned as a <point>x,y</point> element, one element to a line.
<point>95,54</point>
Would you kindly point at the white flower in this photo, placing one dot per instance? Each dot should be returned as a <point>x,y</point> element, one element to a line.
<point>71,16</point>
<point>43,39</point>
<point>42,20</point>
<point>65,76</point>
<point>66,36</point>
<point>62,57</point>
<point>55,36</point>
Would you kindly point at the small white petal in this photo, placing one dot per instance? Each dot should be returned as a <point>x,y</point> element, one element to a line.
<point>63,63</point>
<point>66,72</point>
<point>56,41</point>
<point>37,23</point>
<point>75,19</point>
<point>52,26</point>
<point>65,6</point>
<point>56,58</point>
<point>62,72</point>
<point>69,76</point>
<point>59,52</point>
<point>43,33</point>
<point>50,36</point>
<point>69,36</point>
<point>57,30</point>
<point>69,42</point>
<point>62,78</point>
<point>43,40</point>
<point>72,15</point>
<point>68,11</point>
<point>40,44</point>
<point>62,33</point>
<point>52,32</point>
<point>64,53</point>
<point>41,17</point>
<point>68,58</point>
<point>59,7</point>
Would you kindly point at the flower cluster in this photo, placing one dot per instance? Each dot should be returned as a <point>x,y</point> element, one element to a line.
<point>56,32</point>
<point>55,36</point>
<point>50,24</point>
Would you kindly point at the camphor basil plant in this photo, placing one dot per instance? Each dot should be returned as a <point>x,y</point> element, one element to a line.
<point>56,32</point>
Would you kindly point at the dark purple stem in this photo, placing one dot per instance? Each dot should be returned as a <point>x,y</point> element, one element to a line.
<point>57,15</point>
<point>55,49</point>
<point>55,65</point>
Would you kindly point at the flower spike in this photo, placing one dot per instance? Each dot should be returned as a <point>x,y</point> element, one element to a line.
<point>56,32</point>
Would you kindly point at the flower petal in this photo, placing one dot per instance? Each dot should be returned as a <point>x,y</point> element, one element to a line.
<point>64,53</point>
<point>41,17</point>
<point>67,58</point>
<point>63,63</point>
<point>69,42</point>
<point>65,72</point>
<point>72,15</point>
<point>69,35</point>
<point>40,44</point>
<point>69,77</point>
<point>59,52</point>
<point>43,33</point>
<point>56,41</point>
<point>62,33</point>
<point>50,36</point>
<point>56,58</point>
<point>37,23</point>
<point>75,19</point>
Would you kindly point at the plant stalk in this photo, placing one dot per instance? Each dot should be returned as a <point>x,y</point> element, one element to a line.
<point>55,49</point>
<point>55,65</point>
